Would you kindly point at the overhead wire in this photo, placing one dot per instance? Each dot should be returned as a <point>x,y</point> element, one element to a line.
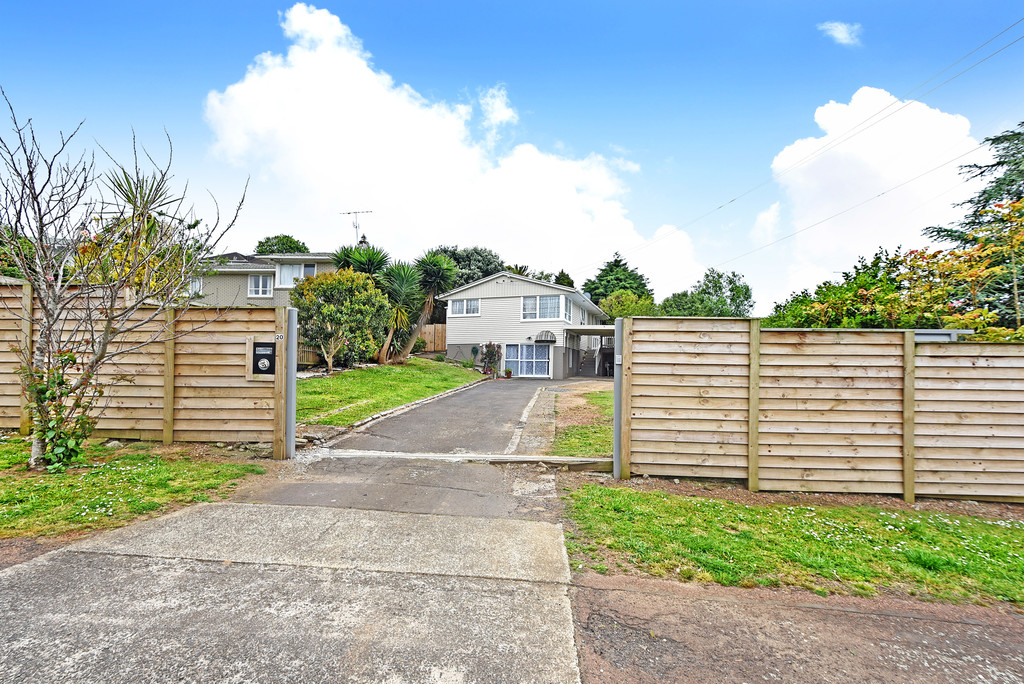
<point>850,133</point>
<point>850,208</point>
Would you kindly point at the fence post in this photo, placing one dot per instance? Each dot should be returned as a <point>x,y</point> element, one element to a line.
<point>25,427</point>
<point>280,382</point>
<point>909,372</point>
<point>754,406</point>
<point>627,402</point>
<point>170,329</point>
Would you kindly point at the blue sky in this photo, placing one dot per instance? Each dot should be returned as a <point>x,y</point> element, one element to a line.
<point>610,124</point>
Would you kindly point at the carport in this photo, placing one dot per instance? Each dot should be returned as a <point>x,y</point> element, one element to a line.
<point>595,359</point>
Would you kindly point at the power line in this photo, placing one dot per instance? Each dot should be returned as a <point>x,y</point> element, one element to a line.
<point>850,208</point>
<point>849,134</point>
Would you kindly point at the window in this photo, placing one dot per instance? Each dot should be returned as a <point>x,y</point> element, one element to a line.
<point>529,307</point>
<point>292,273</point>
<point>261,285</point>
<point>528,360</point>
<point>195,287</point>
<point>542,307</point>
<point>464,307</point>
<point>568,309</point>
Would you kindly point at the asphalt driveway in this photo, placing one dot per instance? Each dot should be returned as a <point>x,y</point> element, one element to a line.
<point>480,420</point>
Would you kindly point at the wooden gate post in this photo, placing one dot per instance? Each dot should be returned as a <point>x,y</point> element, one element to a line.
<point>280,383</point>
<point>909,373</point>
<point>627,398</point>
<point>754,405</point>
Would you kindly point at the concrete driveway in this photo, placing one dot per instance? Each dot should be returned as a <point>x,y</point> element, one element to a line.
<point>306,589</point>
<point>480,420</point>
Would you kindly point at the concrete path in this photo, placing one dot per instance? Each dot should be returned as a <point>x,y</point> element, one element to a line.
<point>482,419</point>
<point>308,588</point>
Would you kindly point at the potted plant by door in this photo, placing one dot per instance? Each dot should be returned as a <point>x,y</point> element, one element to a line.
<point>508,373</point>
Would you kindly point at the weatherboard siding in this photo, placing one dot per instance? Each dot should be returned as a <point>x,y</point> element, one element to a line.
<point>499,321</point>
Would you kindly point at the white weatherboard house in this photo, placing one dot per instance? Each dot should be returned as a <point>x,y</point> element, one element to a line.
<point>545,330</point>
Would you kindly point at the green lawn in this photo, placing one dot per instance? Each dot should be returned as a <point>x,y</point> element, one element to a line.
<point>858,550</point>
<point>588,440</point>
<point>108,489</point>
<point>366,391</point>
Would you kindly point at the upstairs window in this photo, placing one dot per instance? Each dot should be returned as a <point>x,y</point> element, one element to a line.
<point>464,307</point>
<point>261,285</point>
<point>543,307</point>
<point>292,273</point>
<point>568,309</point>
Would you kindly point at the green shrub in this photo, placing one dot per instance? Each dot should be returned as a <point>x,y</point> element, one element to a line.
<point>468,363</point>
<point>439,358</point>
<point>419,345</point>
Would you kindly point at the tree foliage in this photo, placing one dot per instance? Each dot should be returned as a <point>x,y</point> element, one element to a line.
<point>921,288</point>
<point>563,278</point>
<point>617,275</point>
<point>281,244</point>
<point>343,314</point>
<point>716,294</point>
<point>1005,176</point>
<point>624,304</point>
<point>363,258</point>
<point>471,263</point>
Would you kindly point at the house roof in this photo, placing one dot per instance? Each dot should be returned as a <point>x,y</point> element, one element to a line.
<point>266,263</point>
<point>578,297</point>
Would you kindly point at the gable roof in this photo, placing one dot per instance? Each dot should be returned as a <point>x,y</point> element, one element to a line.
<point>576,295</point>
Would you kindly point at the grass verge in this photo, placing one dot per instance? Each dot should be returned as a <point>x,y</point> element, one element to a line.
<point>108,489</point>
<point>588,440</point>
<point>366,391</point>
<point>858,550</point>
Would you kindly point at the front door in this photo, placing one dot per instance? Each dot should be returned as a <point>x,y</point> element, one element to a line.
<point>528,360</point>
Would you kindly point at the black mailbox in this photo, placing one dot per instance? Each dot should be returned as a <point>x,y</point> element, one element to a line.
<point>264,355</point>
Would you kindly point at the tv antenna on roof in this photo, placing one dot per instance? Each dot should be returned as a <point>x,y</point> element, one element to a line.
<point>355,222</point>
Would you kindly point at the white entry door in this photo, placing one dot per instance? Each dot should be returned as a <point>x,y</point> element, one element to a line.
<point>528,360</point>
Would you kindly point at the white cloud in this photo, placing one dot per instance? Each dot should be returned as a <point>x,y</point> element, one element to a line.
<point>917,142</point>
<point>321,130</point>
<point>497,112</point>
<point>841,32</point>
<point>766,225</point>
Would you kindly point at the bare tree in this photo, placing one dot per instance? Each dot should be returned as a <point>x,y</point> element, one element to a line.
<point>107,256</point>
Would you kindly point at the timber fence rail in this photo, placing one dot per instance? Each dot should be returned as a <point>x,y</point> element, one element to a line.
<point>194,383</point>
<point>867,411</point>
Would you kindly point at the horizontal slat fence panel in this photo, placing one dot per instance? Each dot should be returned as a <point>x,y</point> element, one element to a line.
<point>849,363</point>
<point>866,411</point>
<point>969,430</point>
<point>195,387</point>
<point>689,396</point>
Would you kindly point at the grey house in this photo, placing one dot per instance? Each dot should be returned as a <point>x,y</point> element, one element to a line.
<point>259,280</point>
<point>545,330</point>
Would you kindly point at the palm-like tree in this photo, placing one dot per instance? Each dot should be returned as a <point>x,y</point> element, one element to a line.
<point>437,274</point>
<point>402,284</point>
<point>363,259</point>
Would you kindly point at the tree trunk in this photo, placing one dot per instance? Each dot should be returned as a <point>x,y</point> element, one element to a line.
<point>328,357</point>
<point>382,355</point>
<point>428,309</point>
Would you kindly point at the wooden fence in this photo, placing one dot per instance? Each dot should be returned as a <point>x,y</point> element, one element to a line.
<point>309,355</point>
<point>822,410</point>
<point>435,336</point>
<point>194,384</point>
